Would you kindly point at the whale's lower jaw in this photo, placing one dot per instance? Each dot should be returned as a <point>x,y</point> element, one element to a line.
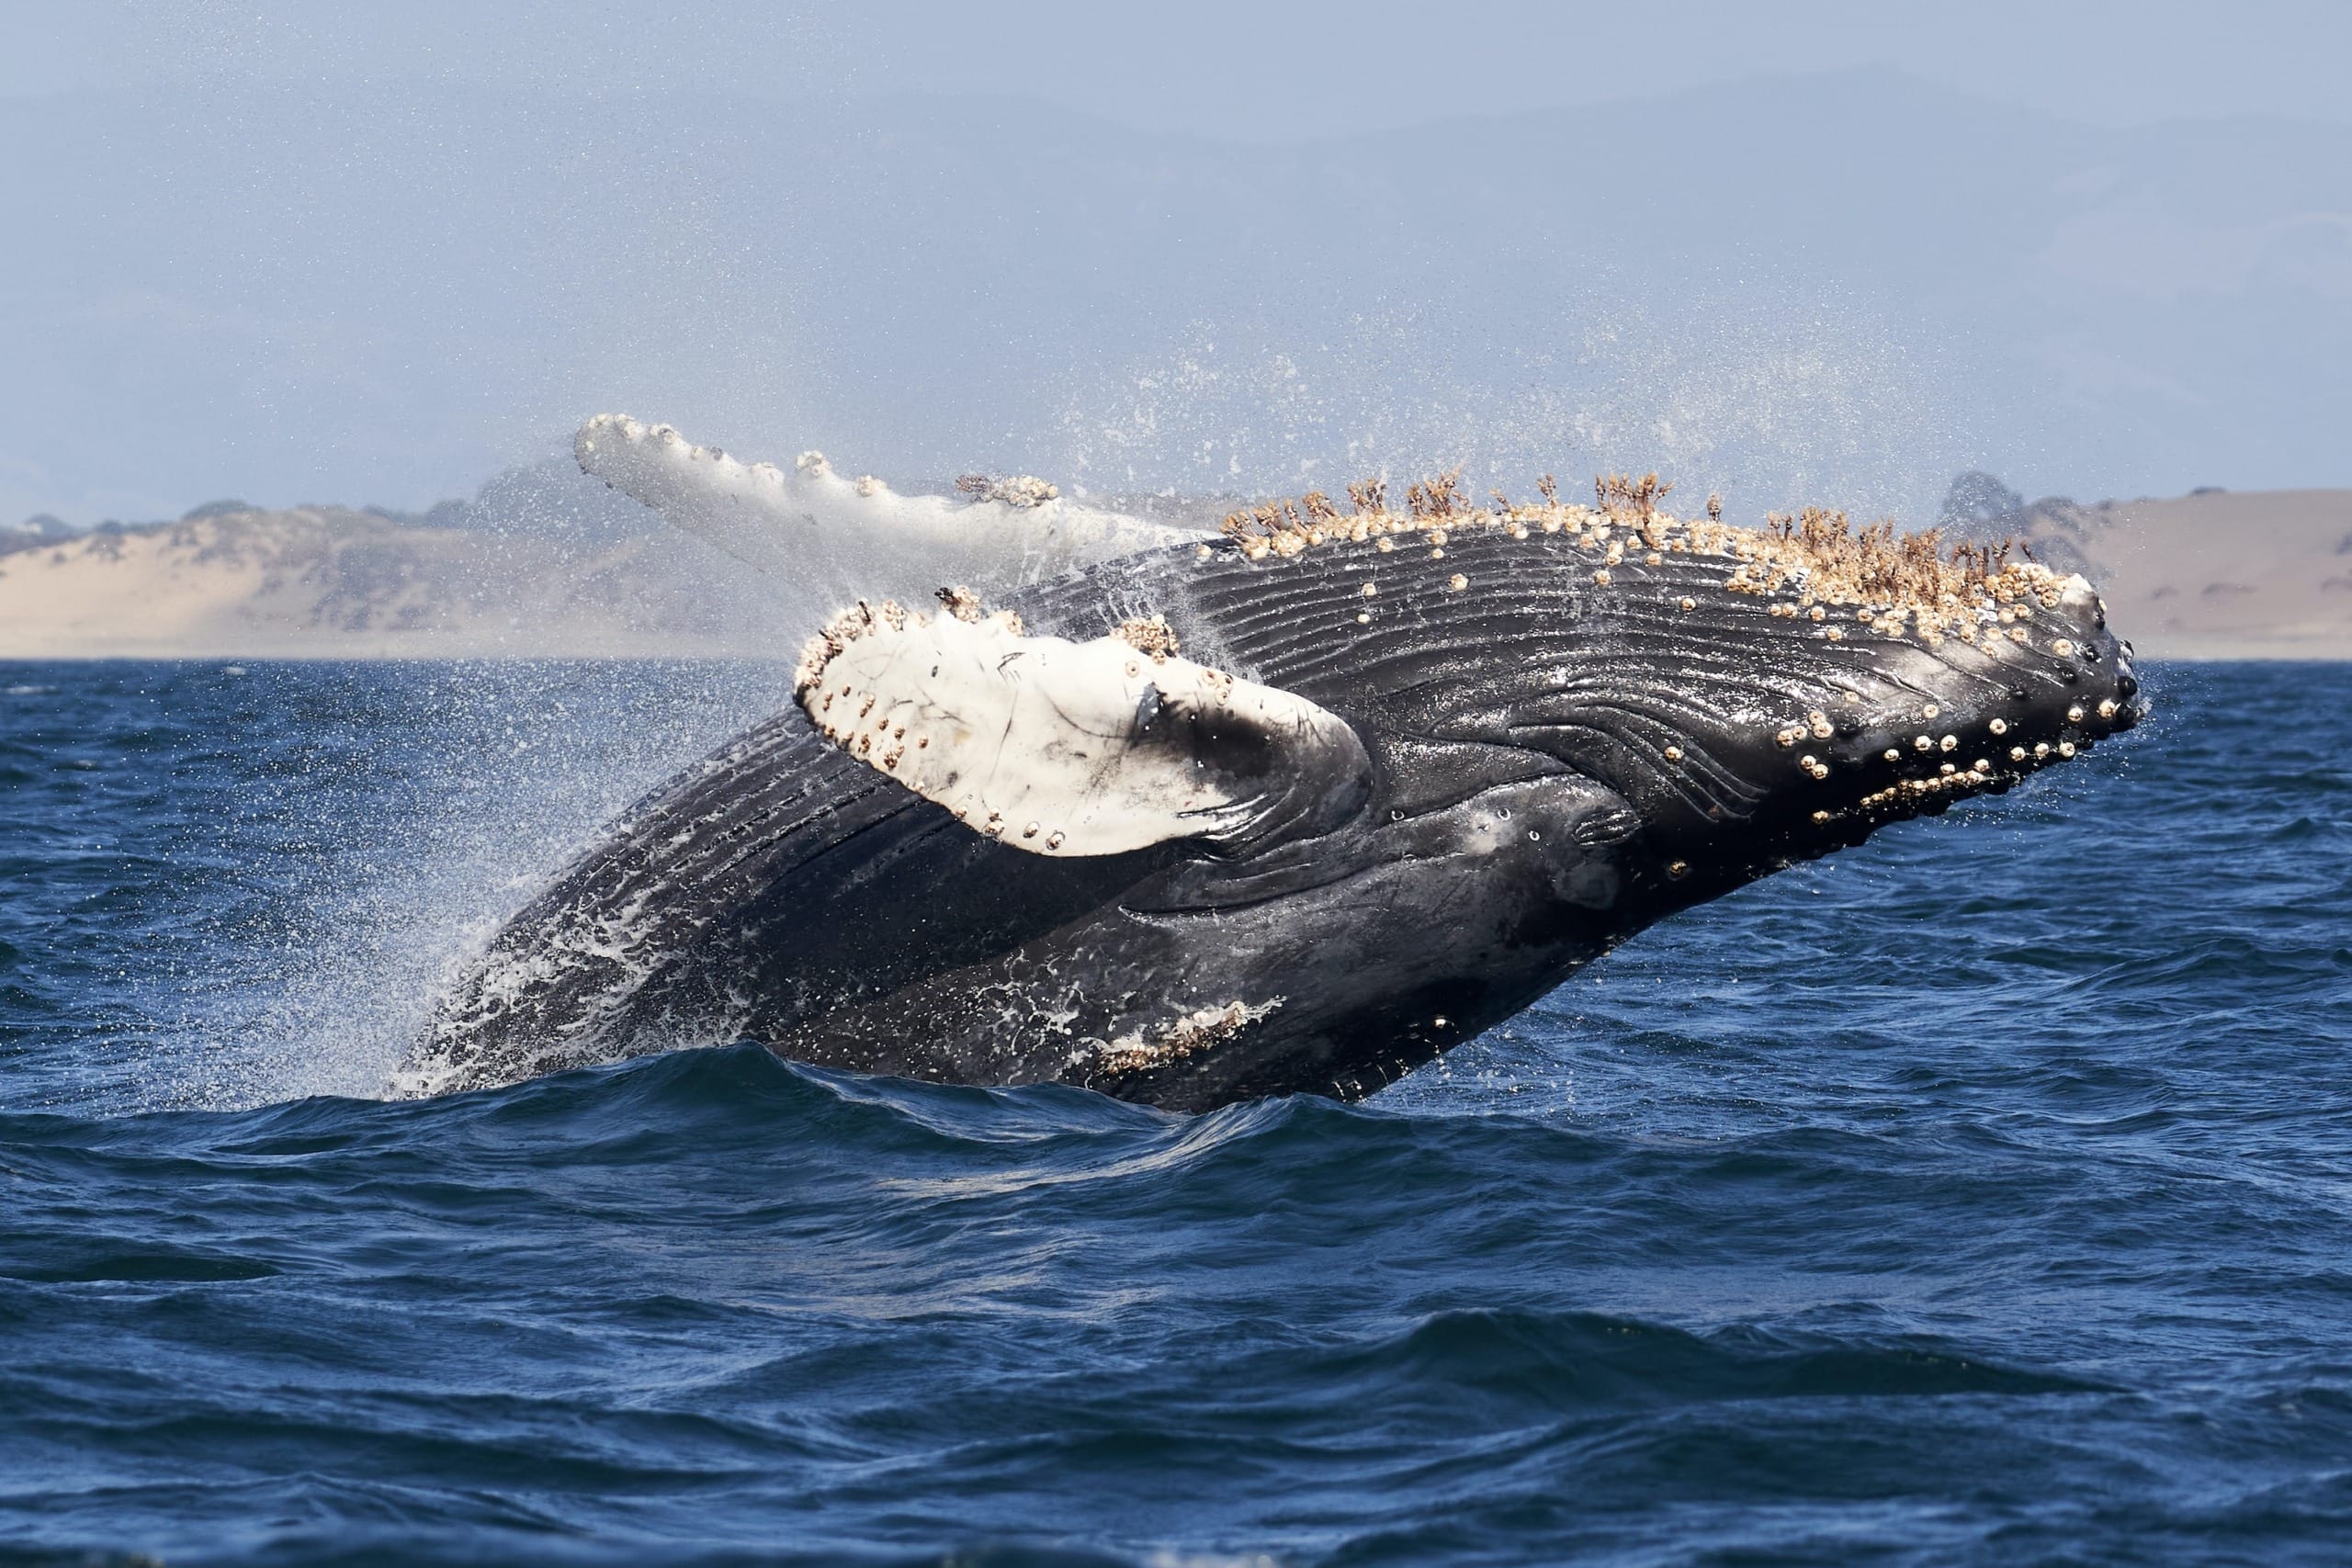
<point>1540,750</point>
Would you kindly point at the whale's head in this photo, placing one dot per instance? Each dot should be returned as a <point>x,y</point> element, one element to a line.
<point>1753,697</point>
<point>1785,724</point>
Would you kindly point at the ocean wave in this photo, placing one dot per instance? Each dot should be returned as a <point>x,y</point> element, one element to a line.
<point>1976,1195</point>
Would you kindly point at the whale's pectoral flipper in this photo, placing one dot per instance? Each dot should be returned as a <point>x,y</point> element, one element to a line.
<point>772,518</point>
<point>1065,748</point>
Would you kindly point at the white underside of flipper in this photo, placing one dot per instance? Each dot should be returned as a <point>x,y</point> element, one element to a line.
<point>788,523</point>
<point>1065,748</point>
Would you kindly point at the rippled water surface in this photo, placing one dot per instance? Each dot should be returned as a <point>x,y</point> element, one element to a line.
<point>1982,1194</point>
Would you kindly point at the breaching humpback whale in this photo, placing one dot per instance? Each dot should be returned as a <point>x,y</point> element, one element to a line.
<point>1296,807</point>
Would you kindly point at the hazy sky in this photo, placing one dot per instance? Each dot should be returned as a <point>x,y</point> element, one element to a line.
<point>1255,69</point>
<point>1827,252</point>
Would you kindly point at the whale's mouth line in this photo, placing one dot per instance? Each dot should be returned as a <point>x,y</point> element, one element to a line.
<point>1900,731</point>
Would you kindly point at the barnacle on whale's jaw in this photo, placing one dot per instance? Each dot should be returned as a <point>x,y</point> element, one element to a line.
<point>1900,723</point>
<point>1904,730</point>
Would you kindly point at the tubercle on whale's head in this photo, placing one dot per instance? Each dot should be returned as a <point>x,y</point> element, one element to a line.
<point>1908,726</point>
<point>1760,695</point>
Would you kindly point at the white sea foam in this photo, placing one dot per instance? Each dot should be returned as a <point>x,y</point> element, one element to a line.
<point>435,801</point>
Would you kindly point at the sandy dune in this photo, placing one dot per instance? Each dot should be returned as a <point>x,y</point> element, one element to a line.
<point>2264,574</point>
<point>324,582</point>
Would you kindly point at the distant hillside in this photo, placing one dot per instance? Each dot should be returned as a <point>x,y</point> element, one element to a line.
<point>2264,574</point>
<point>2260,575</point>
<point>326,581</point>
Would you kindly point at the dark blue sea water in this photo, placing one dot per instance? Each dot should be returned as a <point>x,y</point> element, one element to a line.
<point>1982,1195</point>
